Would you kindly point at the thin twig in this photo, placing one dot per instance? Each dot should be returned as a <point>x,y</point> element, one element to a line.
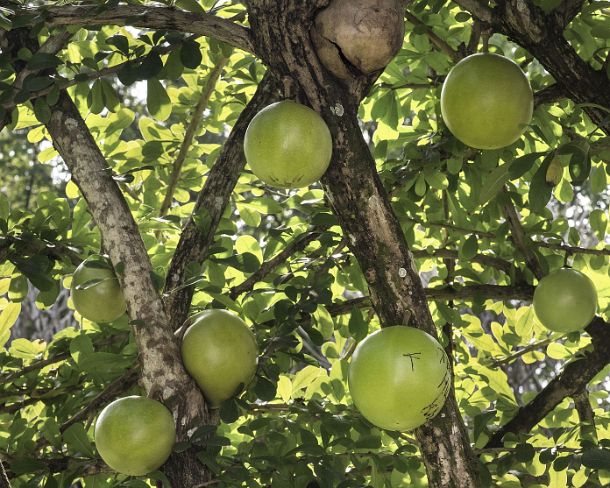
<point>440,44</point>
<point>191,132</point>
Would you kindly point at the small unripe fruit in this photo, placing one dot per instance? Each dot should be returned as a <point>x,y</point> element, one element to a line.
<point>219,351</point>
<point>565,300</point>
<point>96,292</point>
<point>487,101</point>
<point>135,435</point>
<point>288,145</point>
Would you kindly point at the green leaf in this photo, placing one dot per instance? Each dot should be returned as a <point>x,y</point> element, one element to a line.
<point>111,99</point>
<point>229,411</point>
<point>469,248</point>
<point>524,453</point>
<point>157,100</point>
<point>77,440</point>
<point>596,458</point>
<point>190,5</point>
<point>540,190</point>
<point>358,327</point>
<point>522,165</point>
<point>95,98</point>
<point>5,208</point>
<point>150,67</point>
<point>190,54</point>
<point>599,223</point>
<point>120,42</point>
<point>42,110</point>
<point>494,183</point>
<point>41,61</point>
<point>8,317</point>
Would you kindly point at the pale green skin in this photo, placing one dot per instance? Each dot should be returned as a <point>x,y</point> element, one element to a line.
<point>135,435</point>
<point>565,300</point>
<point>102,302</point>
<point>487,101</point>
<point>395,391</point>
<point>220,352</point>
<point>288,145</point>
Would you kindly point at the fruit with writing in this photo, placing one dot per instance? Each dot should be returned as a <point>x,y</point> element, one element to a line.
<point>399,378</point>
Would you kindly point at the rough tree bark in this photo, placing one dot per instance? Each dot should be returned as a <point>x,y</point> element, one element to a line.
<point>280,36</point>
<point>162,373</point>
<point>363,208</point>
<point>196,239</point>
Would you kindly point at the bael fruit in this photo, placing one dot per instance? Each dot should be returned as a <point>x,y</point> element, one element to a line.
<point>288,145</point>
<point>565,300</point>
<point>96,292</point>
<point>219,351</point>
<point>487,101</point>
<point>399,378</point>
<point>135,435</point>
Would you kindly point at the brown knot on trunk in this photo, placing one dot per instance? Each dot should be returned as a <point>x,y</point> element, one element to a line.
<point>358,37</point>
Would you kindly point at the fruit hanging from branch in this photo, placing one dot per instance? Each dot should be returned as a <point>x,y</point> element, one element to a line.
<point>288,145</point>
<point>487,101</point>
<point>220,352</point>
<point>356,37</point>
<point>399,378</point>
<point>96,292</point>
<point>135,435</point>
<point>565,300</point>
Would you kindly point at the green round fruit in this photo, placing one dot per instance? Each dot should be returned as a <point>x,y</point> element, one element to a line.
<point>288,145</point>
<point>487,101</point>
<point>565,300</point>
<point>135,435</point>
<point>96,292</point>
<point>219,351</point>
<point>399,378</point>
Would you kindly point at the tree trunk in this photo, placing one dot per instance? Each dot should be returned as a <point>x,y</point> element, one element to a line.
<point>363,209</point>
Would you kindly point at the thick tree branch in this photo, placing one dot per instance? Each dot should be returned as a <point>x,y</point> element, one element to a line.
<point>566,11</point>
<point>363,209</point>
<point>542,36</point>
<point>198,234</point>
<point>571,381</point>
<point>549,94</point>
<point>191,131</point>
<point>585,415</point>
<point>163,375</point>
<point>147,17</point>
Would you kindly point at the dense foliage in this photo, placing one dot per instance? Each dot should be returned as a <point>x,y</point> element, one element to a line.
<point>160,105</point>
